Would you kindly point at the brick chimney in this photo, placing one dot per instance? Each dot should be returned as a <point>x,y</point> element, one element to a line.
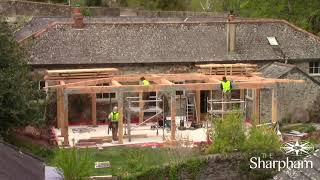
<point>231,34</point>
<point>77,18</point>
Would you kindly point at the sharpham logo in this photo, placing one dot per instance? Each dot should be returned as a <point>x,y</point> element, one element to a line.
<point>297,148</point>
<point>291,148</point>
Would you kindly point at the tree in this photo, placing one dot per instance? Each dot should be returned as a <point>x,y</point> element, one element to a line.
<point>19,95</point>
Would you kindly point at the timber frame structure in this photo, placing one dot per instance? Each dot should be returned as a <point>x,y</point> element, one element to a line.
<point>121,84</point>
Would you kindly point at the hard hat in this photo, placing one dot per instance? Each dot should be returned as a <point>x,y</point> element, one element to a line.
<point>115,109</point>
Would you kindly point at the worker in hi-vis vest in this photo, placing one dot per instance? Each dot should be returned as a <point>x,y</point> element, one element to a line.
<point>146,95</point>
<point>114,120</point>
<point>226,87</point>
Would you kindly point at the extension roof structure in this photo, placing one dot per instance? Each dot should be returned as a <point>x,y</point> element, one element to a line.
<point>123,41</point>
<point>162,82</point>
<point>121,84</point>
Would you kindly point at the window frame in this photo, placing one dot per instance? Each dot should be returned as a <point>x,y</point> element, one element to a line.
<point>105,95</point>
<point>183,91</point>
<point>249,94</point>
<point>313,68</point>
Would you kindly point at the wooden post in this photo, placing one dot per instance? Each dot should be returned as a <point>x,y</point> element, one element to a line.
<point>198,112</point>
<point>274,105</point>
<point>141,105</point>
<point>64,123</point>
<point>59,107</point>
<point>94,108</point>
<point>121,111</point>
<point>256,108</point>
<point>173,115</point>
<point>242,96</point>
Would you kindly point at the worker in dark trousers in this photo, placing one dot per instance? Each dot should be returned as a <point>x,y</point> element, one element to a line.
<point>114,120</point>
<point>146,95</point>
<point>226,87</point>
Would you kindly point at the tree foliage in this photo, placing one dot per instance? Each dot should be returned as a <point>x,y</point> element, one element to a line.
<point>169,5</point>
<point>262,140</point>
<point>229,134</point>
<point>19,95</point>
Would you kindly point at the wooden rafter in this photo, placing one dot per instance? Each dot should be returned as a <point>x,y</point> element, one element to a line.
<point>115,83</point>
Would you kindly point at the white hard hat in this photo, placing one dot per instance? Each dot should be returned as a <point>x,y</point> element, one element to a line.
<point>115,109</point>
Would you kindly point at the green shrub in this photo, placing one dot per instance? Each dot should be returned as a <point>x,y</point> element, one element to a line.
<point>86,12</point>
<point>262,140</point>
<point>229,134</point>
<point>73,165</point>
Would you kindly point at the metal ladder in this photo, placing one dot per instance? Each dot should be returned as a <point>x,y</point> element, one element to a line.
<point>191,111</point>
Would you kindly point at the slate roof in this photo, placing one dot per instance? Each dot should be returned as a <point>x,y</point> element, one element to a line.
<point>302,173</point>
<point>16,165</point>
<point>276,70</point>
<point>170,41</point>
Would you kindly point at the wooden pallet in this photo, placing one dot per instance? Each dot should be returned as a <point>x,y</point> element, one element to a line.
<point>228,69</point>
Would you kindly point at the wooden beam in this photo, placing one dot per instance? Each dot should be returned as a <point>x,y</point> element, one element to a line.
<point>256,108</point>
<point>121,114</point>
<point>115,83</point>
<point>60,115</point>
<point>173,115</point>
<point>141,105</point>
<point>85,83</point>
<point>225,65</point>
<point>242,97</point>
<point>274,105</point>
<point>162,81</point>
<point>166,87</point>
<point>197,105</point>
<point>96,70</point>
<point>94,109</point>
<point>254,81</point>
<point>64,128</point>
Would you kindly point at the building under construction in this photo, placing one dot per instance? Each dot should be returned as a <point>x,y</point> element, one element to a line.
<point>173,110</point>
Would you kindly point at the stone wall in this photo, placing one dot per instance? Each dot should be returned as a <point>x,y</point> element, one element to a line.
<point>294,99</point>
<point>11,8</point>
<point>304,66</point>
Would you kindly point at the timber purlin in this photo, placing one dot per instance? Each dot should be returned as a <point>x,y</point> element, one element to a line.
<point>71,74</point>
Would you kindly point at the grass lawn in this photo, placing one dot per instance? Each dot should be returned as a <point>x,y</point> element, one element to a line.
<point>128,160</point>
<point>124,160</point>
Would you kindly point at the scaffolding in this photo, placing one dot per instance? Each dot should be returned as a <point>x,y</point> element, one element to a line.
<point>149,106</point>
<point>216,107</point>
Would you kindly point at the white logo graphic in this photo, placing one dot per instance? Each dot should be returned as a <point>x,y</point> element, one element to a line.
<point>297,148</point>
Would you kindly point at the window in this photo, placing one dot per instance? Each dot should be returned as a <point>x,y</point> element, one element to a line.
<point>105,95</point>
<point>273,41</point>
<point>314,67</point>
<point>178,93</point>
<point>249,94</point>
<point>42,84</point>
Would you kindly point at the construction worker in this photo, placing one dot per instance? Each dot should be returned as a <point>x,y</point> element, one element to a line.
<point>226,87</point>
<point>144,81</point>
<point>145,95</point>
<point>114,119</point>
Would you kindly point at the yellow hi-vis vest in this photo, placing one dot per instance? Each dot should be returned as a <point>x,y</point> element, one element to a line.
<point>226,86</point>
<point>114,116</point>
<point>145,82</point>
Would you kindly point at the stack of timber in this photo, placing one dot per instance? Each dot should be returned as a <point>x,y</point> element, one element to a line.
<point>229,69</point>
<point>93,141</point>
<point>75,74</point>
